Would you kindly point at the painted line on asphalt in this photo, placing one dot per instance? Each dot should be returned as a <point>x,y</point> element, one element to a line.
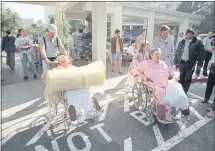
<point>128,144</point>
<point>181,125</point>
<point>40,133</point>
<point>141,117</point>
<point>182,135</point>
<point>158,135</point>
<point>196,113</point>
<point>103,114</point>
<point>54,142</point>
<point>126,105</point>
<point>199,97</point>
<point>104,134</point>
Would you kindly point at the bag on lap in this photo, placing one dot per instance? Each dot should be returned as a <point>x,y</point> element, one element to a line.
<point>175,96</point>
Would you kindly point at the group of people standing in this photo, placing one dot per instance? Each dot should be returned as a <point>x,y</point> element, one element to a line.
<point>50,47</point>
<point>191,54</point>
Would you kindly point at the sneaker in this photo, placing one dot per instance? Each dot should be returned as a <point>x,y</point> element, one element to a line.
<point>35,76</point>
<point>205,100</point>
<point>211,114</point>
<point>209,109</point>
<point>25,78</point>
<point>12,68</point>
<point>186,112</point>
<point>205,73</point>
<point>91,114</point>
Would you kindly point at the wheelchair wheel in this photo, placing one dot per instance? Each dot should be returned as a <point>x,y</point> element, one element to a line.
<point>139,96</point>
<point>51,107</point>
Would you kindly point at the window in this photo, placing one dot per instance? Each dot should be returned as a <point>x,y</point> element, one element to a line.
<point>168,6</point>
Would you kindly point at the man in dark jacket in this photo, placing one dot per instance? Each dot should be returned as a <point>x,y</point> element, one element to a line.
<point>116,51</point>
<point>189,51</point>
<point>9,46</point>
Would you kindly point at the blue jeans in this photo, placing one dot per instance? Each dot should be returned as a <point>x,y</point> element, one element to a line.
<point>116,58</point>
<point>25,59</point>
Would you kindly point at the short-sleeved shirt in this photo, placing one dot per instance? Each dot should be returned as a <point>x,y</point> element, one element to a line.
<point>117,45</point>
<point>52,49</point>
<point>26,42</point>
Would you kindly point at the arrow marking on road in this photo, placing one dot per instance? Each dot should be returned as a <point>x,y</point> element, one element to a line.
<point>128,144</point>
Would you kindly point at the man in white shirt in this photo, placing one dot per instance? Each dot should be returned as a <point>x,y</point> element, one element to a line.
<point>132,49</point>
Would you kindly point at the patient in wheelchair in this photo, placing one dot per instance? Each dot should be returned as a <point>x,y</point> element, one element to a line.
<point>79,98</point>
<point>142,54</point>
<point>156,75</point>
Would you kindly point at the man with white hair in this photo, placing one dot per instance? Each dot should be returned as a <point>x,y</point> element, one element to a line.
<point>50,46</point>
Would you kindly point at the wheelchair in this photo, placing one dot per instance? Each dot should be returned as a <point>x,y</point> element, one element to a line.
<point>144,100</point>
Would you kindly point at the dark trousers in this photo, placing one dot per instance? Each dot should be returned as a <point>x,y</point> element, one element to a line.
<point>207,57</point>
<point>186,72</point>
<point>210,85</point>
<point>11,59</point>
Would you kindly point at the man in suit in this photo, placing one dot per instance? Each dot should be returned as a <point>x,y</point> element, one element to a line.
<point>189,51</point>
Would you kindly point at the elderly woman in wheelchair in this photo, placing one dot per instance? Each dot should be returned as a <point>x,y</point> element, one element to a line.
<point>155,89</point>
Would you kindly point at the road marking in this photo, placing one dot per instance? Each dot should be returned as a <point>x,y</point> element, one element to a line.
<point>196,113</point>
<point>158,135</point>
<point>40,148</point>
<point>126,105</point>
<point>40,133</point>
<point>140,118</point>
<point>181,125</point>
<point>104,134</point>
<point>182,135</point>
<point>85,138</point>
<point>128,144</point>
<point>12,111</point>
<point>7,138</point>
<point>103,114</point>
<point>54,141</point>
<point>201,98</point>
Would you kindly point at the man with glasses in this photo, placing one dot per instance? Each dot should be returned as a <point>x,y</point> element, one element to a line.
<point>50,47</point>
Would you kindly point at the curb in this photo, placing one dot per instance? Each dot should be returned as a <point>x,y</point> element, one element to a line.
<point>200,80</point>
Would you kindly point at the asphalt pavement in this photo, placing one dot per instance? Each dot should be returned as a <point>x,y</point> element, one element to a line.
<point>26,125</point>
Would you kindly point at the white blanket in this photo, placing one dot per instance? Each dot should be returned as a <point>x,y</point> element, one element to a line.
<point>80,99</point>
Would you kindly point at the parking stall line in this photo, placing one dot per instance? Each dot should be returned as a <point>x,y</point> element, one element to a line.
<point>196,113</point>
<point>181,125</point>
<point>182,135</point>
<point>103,114</point>
<point>201,98</point>
<point>158,135</point>
<point>128,144</point>
<point>104,134</point>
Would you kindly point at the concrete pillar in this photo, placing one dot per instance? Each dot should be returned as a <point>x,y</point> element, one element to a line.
<point>58,23</point>
<point>183,26</point>
<point>150,28</point>
<point>116,20</point>
<point>99,31</point>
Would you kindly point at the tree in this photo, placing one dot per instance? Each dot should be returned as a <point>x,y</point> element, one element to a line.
<point>36,30</point>
<point>76,25</point>
<point>200,8</point>
<point>10,20</point>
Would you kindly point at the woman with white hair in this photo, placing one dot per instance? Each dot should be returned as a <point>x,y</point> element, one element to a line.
<point>156,75</point>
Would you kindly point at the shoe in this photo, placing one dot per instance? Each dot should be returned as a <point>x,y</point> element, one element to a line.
<point>186,112</point>
<point>205,73</point>
<point>91,114</point>
<point>211,114</point>
<point>25,78</point>
<point>12,68</point>
<point>35,76</point>
<point>205,100</point>
<point>209,109</point>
